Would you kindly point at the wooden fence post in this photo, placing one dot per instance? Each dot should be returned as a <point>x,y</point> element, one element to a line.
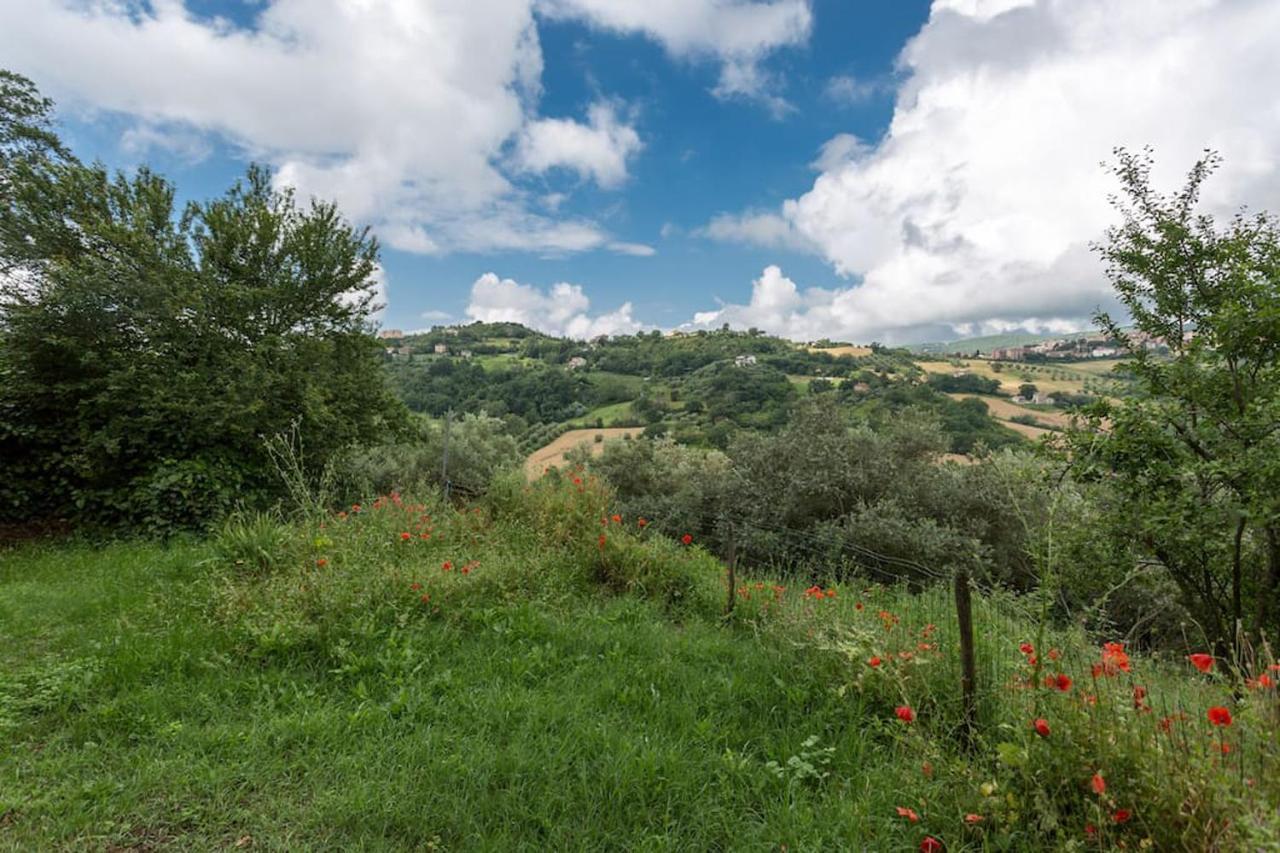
<point>732,560</point>
<point>968,668</point>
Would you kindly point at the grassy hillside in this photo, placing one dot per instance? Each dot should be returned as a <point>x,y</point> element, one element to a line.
<point>526,673</point>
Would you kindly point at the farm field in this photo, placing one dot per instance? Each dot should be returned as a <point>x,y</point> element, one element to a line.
<point>1004,409</point>
<point>853,351</point>
<point>553,453</point>
<point>1068,378</point>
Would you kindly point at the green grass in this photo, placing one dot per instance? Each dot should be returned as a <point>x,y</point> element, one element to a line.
<point>608,414</point>
<point>566,693</point>
<point>519,726</point>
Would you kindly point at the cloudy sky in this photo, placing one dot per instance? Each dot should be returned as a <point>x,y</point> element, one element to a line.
<point>855,169</point>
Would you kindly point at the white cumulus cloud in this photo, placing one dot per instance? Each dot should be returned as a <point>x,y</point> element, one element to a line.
<point>738,33</point>
<point>976,209</point>
<point>599,149</point>
<point>401,110</point>
<point>563,309</point>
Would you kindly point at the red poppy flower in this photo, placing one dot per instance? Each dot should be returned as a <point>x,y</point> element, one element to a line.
<point>971,819</point>
<point>1261,682</point>
<point>1201,661</point>
<point>873,661</point>
<point>1026,648</point>
<point>415,586</point>
<point>1098,784</point>
<point>831,593</point>
<point>858,606</point>
<point>927,770</point>
<point>617,519</point>
<point>1062,682</point>
<point>1114,658</point>
<point>600,542</point>
<point>406,536</point>
<point>1219,716</point>
<point>1041,725</point>
<point>930,845</point>
<point>905,714</point>
<point>1122,815</point>
<point>687,539</point>
<point>426,599</point>
<point>577,481</point>
<point>1054,654</point>
<point>909,814</point>
<point>642,522</point>
<point>446,566</point>
<point>321,563</point>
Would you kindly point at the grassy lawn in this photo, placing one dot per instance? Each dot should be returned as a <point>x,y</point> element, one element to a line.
<point>132,721</point>
<point>509,677</point>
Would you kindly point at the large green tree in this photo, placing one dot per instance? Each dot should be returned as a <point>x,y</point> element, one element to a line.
<point>146,348</point>
<point>1195,455</point>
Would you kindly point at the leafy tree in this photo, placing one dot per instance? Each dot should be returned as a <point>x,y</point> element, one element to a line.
<point>1027,391</point>
<point>146,350</point>
<point>1195,451</point>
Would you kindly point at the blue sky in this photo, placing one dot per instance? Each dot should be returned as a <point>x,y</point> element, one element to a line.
<point>594,166</point>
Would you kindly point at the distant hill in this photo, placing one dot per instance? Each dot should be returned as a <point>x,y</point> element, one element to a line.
<point>989,342</point>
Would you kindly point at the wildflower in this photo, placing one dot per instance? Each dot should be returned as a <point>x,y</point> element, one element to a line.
<point>424,536</point>
<point>1225,748</point>
<point>406,536</point>
<point>930,845</point>
<point>987,789</point>
<point>927,770</point>
<point>1090,830</point>
<point>617,519</point>
<point>1219,716</point>
<point>1261,682</point>
<point>1114,658</point>
<point>831,593</point>
<point>1054,654</point>
<point>446,566</point>
<point>873,661</point>
<point>600,542</point>
<point>426,599</point>
<point>687,539</point>
<point>972,819</point>
<point>905,713</point>
<point>321,563</point>
<point>1201,661</point>
<point>1026,648</point>
<point>1098,784</point>
<point>342,516</point>
<point>642,523</point>
<point>858,606</point>
<point>415,586</point>
<point>1041,725</point>
<point>1062,682</point>
<point>577,481</point>
<point>1122,815</point>
<point>355,507</point>
<point>909,814</point>
<point>466,570</point>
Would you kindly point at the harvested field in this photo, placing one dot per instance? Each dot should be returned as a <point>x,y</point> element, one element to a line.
<point>553,453</point>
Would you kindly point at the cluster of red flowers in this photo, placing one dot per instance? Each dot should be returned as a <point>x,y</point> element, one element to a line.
<point>746,591</point>
<point>819,593</point>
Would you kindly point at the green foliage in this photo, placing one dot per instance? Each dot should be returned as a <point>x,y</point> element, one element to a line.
<point>480,449</point>
<point>964,383</point>
<point>257,541</point>
<point>149,349</point>
<point>1193,454</point>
